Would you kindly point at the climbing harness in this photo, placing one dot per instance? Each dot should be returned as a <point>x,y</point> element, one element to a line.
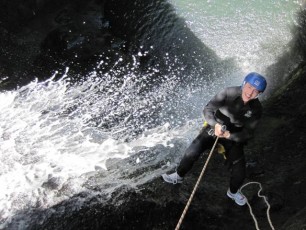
<point>196,186</point>
<point>265,199</point>
<point>211,131</point>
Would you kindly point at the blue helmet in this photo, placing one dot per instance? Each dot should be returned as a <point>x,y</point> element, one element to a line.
<point>256,80</point>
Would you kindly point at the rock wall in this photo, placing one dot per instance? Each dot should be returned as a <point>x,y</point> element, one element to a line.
<point>41,37</point>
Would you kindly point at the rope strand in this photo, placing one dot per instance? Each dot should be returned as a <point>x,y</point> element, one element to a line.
<point>266,201</point>
<point>196,186</point>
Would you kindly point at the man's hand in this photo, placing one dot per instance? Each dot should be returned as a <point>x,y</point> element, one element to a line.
<point>220,133</point>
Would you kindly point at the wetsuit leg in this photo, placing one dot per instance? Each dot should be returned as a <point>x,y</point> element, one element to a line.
<point>238,166</point>
<point>202,142</point>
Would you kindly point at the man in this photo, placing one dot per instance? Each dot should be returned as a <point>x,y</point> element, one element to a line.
<point>239,110</point>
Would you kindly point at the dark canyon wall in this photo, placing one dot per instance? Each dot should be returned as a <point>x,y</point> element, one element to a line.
<point>41,37</point>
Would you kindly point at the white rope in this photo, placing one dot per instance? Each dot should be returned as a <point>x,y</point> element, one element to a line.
<point>265,199</point>
<point>195,187</point>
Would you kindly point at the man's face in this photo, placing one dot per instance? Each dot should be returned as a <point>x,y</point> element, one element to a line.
<point>249,92</point>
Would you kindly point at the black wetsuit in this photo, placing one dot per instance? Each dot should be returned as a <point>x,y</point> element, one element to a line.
<point>226,108</point>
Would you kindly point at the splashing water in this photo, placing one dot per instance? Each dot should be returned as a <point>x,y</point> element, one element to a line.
<point>57,137</point>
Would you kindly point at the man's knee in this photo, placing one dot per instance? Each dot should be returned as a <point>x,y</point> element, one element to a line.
<point>191,155</point>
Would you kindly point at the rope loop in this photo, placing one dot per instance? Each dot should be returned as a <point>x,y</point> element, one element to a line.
<point>266,201</point>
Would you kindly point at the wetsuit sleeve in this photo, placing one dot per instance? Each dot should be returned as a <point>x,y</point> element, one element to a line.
<point>248,129</point>
<point>212,106</point>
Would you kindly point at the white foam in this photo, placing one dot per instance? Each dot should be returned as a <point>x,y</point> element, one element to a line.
<point>48,143</point>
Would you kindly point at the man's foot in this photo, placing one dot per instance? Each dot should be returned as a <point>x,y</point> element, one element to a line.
<point>173,178</point>
<point>238,197</point>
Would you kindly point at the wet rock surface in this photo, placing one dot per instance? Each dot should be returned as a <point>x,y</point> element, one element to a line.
<point>40,38</point>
